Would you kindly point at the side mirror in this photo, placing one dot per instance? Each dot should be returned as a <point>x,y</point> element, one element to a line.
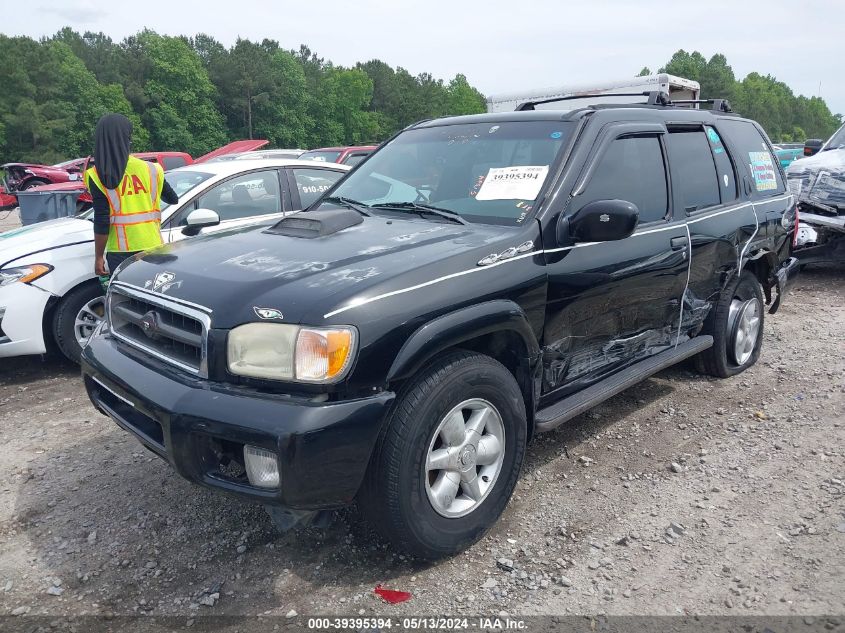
<point>599,221</point>
<point>199,219</point>
<point>812,146</point>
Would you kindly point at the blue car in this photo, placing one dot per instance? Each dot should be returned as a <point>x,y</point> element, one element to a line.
<point>787,154</point>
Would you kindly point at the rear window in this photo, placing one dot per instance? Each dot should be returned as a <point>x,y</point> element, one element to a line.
<point>172,162</point>
<point>752,152</point>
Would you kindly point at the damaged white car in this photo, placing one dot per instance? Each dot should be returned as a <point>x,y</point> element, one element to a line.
<point>819,183</point>
<point>49,295</point>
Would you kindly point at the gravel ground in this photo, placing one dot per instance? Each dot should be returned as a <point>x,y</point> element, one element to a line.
<point>683,495</point>
<point>9,219</point>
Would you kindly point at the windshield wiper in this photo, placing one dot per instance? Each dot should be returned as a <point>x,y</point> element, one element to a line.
<point>348,203</point>
<point>420,209</point>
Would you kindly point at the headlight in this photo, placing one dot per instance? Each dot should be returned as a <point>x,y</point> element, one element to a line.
<point>279,351</point>
<point>24,274</point>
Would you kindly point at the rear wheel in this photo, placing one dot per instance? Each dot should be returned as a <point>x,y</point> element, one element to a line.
<point>79,312</point>
<point>736,324</point>
<point>449,458</point>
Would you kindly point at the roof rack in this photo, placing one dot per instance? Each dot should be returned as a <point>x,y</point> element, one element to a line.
<point>721,105</point>
<point>655,98</point>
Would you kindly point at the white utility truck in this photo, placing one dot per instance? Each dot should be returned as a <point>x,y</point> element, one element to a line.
<point>678,89</point>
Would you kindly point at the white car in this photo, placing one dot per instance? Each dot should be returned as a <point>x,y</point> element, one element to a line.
<point>260,153</point>
<point>48,290</point>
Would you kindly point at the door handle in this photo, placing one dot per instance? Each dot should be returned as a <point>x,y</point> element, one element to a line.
<point>679,243</point>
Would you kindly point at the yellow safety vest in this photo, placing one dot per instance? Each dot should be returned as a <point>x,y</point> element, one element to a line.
<point>135,205</point>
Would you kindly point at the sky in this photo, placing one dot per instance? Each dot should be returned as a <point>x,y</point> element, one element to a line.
<point>500,45</point>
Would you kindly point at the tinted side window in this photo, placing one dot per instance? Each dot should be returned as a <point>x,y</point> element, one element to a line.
<point>724,166</point>
<point>172,162</point>
<point>354,159</point>
<point>312,183</point>
<point>246,196</point>
<point>752,151</point>
<point>631,169</point>
<point>693,170</point>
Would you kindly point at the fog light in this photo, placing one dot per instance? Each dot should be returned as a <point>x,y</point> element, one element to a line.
<point>262,469</point>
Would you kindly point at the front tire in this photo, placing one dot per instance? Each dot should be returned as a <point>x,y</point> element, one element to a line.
<point>450,455</point>
<point>76,317</point>
<point>736,324</point>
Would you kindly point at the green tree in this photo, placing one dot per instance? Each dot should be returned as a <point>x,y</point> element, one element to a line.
<point>97,51</point>
<point>761,97</point>
<point>340,115</point>
<point>461,98</point>
<point>717,79</point>
<point>388,99</point>
<point>688,65</point>
<point>54,102</point>
<point>645,72</point>
<point>180,110</point>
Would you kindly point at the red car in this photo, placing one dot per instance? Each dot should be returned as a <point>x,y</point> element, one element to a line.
<point>351,155</point>
<point>23,176</point>
<point>67,176</point>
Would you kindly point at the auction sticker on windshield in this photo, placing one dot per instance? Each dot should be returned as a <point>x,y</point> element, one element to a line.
<point>521,182</point>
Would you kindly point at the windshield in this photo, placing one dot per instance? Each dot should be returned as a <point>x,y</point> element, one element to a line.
<point>68,163</point>
<point>837,140</point>
<point>182,182</point>
<point>323,157</point>
<point>486,172</point>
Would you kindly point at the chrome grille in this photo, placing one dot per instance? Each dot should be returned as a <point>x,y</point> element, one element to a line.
<point>165,328</point>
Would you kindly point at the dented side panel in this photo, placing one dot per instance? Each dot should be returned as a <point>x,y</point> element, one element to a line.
<point>609,305</point>
<point>717,243</point>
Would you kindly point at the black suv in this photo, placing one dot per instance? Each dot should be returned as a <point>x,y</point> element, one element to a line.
<point>475,281</point>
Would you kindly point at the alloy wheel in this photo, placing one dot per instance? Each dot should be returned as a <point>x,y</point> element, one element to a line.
<point>88,318</point>
<point>464,458</point>
<point>744,325</point>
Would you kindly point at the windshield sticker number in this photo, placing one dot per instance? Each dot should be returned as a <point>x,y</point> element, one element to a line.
<point>522,182</point>
<point>763,170</point>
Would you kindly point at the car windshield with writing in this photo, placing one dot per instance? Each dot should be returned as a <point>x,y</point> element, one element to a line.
<point>489,173</point>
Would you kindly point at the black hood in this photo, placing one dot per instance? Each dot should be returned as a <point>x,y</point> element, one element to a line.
<point>232,271</point>
<point>111,148</point>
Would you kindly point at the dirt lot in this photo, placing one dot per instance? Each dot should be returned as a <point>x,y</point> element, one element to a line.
<point>682,495</point>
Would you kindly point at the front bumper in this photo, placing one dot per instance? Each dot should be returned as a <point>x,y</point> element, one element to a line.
<point>831,251</point>
<point>323,448</point>
<point>22,308</point>
<point>784,276</point>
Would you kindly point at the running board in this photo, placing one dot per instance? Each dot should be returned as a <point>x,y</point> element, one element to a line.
<point>553,416</point>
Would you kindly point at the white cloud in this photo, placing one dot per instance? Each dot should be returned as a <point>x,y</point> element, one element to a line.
<point>80,13</point>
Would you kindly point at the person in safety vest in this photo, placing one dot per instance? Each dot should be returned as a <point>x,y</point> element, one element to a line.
<point>127,193</point>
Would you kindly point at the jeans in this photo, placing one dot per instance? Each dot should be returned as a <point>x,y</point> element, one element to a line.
<point>114,259</point>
